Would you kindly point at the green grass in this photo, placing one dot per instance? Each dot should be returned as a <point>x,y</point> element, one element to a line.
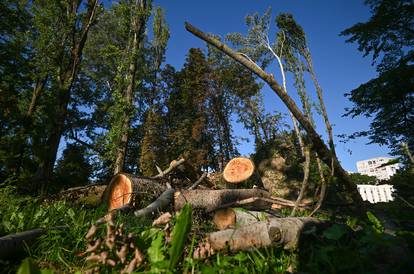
<point>352,247</point>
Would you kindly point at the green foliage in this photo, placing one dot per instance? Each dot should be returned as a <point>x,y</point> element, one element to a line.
<point>388,99</point>
<point>179,235</point>
<point>73,168</point>
<point>361,179</point>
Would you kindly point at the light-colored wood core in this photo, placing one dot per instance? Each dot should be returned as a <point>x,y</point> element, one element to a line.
<point>238,170</point>
<point>121,192</point>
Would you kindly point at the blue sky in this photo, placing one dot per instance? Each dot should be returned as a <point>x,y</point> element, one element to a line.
<point>340,67</point>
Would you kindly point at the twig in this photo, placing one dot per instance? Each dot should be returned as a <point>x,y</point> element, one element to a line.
<point>169,169</point>
<point>160,203</point>
<point>405,201</point>
<point>199,181</point>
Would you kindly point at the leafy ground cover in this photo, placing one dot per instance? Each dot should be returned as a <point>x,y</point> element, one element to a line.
<point>351,245</point>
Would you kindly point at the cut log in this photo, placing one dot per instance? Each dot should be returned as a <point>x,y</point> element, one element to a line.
<point>238,170</point>
<point>284,231</point>
<point>213,199</point>
<point>236,217</point>
<point>134,191</point>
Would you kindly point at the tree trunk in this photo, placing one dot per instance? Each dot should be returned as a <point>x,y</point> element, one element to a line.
<point>66,77</point>
<point>137,27</point>
<point>321,102</point>
<point>285,231</point>
<point>213,199</point>
<point>236,217</point>
<point>133,191</point>
<point>305,181</point>
<point>318,144</point>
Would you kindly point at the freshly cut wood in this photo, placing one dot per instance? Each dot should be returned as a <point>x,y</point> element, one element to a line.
<point>284,231</point>
<point>130,190</point>
<point>238,170</point>
<point>235,217</point>
<point>213,199</point>
<point>14,243</point>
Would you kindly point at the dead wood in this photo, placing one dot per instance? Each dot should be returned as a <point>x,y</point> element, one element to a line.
<point>275,231</point>
<point>318,144</point>
<point>130,190</point>
<point>213,199</point>
<point>161,203</point>
<point>173,165</point>
<point>12,244</point>
<point>238,170</point>
<point>85,195</point>
<point>306,169</point>
<point>236,217</point>
<point>199,181</point>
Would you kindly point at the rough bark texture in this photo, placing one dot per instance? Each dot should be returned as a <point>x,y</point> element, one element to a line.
<point>306,169</point>
<point>284,231</point>
<point>126,189</point>
<point>213,199</point>
<point>236,217</point>
<point>65,78</point>
<point>318,144</point>
<point>321,102</point>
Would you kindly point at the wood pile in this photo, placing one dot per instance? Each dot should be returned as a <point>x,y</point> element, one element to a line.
<point>245,217</point>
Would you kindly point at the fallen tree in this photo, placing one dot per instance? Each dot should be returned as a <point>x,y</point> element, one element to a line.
<point>317,143</point>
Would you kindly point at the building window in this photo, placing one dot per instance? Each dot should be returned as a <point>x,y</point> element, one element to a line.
<point>369,162</point>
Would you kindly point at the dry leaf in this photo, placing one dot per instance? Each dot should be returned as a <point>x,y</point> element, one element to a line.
<point>163,219</point>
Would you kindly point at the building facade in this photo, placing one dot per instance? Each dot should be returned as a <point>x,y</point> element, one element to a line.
<point>372,167</point>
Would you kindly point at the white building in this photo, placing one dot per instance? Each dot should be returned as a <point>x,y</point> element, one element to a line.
<point>376,194</point>
<point>372,167</point>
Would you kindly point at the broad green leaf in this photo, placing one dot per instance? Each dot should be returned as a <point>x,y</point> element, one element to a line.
<point>155,251</point>
<point>376,224</point>
<point>28,267</point>
<point>335,232</point>
<point>179,235</point>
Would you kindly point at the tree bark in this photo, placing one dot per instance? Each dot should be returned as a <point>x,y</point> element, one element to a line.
<point>285,231</point>
<point>321,102</point>
<point>133,191</point>
<point>305,181</point>
<point>318,144</point>
<point>66,77</point>
<point>213,199</point>
<point>137,27</point>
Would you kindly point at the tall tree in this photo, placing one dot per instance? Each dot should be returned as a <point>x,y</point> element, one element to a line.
<point>140,12</point>
<point>257,46</point>
<point>187,112</point>
<point>294,35</point>
<point>389,98</point>
<point>69,37</point>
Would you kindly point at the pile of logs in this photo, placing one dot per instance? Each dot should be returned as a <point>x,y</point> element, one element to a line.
<point>246,218</point>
